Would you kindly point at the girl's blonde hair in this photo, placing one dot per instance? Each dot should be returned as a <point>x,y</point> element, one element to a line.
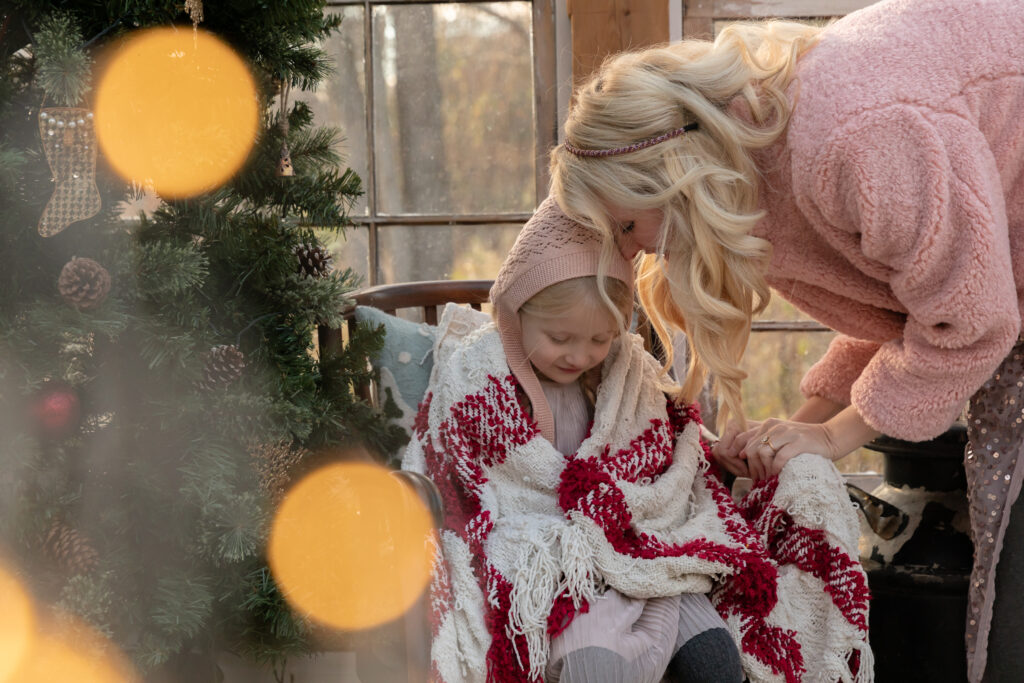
<point>707,279</point>
<point>611,294</point>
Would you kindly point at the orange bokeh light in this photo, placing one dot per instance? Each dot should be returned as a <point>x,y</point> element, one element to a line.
<point>176,108</point>
<point>17,627</point>
<point>65,649</point>
<point>350,546</point>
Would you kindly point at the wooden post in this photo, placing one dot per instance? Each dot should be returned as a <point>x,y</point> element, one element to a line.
<point>604,27</point>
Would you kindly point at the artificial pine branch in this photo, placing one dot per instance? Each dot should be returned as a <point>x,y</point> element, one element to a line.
<point>168,270</point>
<point>183,520</point>
<point>12,163</point>
<point>271,632</point>
<point>317,147</point>
<point>63,70</point>
<point>182,604</point>
<point>233,529</point>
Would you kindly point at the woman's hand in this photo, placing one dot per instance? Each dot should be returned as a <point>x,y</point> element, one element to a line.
<point>769,446</point>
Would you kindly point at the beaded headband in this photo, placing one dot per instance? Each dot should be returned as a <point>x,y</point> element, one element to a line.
<point>643,144</point>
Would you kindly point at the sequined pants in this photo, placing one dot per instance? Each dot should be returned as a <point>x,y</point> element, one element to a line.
<point>995,431</point>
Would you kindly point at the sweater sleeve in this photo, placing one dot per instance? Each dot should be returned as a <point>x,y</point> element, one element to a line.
<point>913,197</point>
<point>834,374</point>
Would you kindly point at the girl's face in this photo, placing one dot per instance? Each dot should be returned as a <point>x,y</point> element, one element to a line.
<point>561,349</point>
<point>636,230</point>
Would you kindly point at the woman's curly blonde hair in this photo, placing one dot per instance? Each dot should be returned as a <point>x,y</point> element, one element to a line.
<point>707,278</point>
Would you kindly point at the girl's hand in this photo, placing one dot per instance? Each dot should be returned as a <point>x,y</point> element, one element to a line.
<point>728,450</point>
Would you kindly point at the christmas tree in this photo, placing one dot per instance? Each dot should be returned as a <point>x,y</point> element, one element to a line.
<point>159,378</point>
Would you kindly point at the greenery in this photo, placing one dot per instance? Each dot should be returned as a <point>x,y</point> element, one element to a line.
<point>148,473</point>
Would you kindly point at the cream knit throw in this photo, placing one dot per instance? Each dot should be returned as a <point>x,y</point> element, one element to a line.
<point>531,536</point>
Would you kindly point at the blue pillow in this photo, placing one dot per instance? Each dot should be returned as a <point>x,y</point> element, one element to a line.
<point>406,358</point>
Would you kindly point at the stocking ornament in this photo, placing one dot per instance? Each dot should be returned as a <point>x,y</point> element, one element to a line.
<point>69,141</point>
<point>284,164</point>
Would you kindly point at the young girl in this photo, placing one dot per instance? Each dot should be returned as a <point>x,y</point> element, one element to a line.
<point>871,172</point>
<point>584,529</point>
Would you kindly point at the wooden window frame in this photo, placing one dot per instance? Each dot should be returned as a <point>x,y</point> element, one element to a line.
<point>699,16</point>
<point>545,125</point>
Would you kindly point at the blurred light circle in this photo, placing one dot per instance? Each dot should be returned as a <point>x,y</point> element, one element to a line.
<point>65,649</point>
<point>177,108</point>
<point>350,546</point>
<point>17,627</point>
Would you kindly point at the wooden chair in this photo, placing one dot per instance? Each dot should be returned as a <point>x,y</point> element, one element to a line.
<point>425,297</point>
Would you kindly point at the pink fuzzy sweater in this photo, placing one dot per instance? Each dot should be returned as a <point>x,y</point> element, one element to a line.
<point>895,205</point>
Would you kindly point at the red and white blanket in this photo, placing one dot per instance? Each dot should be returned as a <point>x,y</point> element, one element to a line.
<point>531,536</point>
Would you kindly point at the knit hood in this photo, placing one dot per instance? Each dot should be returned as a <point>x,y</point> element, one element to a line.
<point>550,248</point>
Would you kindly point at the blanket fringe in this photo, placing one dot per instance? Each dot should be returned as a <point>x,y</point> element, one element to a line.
<point>534,588</point>
<point>866,670</point>
<point>577,566</point>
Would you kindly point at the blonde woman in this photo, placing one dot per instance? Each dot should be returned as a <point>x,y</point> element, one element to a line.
<point>872,173</point>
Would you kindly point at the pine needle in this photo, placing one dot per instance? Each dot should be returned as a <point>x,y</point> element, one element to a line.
<point>63,69</point>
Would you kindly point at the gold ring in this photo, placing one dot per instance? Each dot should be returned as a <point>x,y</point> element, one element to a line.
<point>767,442</point>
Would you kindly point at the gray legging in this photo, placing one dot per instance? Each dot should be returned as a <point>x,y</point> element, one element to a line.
<point>704,652</point>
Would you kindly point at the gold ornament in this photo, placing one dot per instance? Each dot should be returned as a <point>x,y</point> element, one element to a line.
<point>284,164</point>
<point>195,11</point>
<point>274,464</point>
<point>69,142</point>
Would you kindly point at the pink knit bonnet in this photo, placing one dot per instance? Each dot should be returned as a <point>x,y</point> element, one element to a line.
<point>550,248</point>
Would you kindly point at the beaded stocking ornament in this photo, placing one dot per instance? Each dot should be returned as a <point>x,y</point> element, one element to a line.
<point>69,142</point>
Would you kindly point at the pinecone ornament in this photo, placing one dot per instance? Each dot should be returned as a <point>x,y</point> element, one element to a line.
<point>83,283</point>
<point>70,549</point>
<point>314,261</point>
<point>223,364</point>
<point>274,464</point>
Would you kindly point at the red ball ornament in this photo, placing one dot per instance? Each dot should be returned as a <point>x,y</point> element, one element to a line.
<point>56,411</point>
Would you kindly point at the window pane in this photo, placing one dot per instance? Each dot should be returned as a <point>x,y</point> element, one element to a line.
<point>775,363</point>
<point>780,309</point>
<point>351,250</point>
<point>340,99</point>
<point>443,252</point>
<point>453,91</point>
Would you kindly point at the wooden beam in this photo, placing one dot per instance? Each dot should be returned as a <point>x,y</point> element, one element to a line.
<point>604,27</point>
<point>545,90</point>
<point>734,9</point>
<point>699,16</point>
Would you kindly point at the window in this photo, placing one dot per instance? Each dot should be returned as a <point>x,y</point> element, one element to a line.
<point>447,110</point>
